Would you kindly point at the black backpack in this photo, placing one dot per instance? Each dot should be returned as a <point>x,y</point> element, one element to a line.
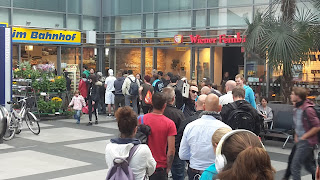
<point>317,109</point>
<point>143,131</point>
<point>241,119</point>
<point>134,87</point>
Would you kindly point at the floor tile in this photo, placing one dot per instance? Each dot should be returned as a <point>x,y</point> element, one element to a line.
<point>14,164</point>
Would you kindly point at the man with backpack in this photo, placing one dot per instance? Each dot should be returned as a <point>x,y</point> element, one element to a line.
<point>130,90</point>
<point>240,114</point>
<point>145,93</point>
<point>306,126</point>
<point>157,83</point>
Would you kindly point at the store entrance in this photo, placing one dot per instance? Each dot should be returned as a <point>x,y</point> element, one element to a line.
<point>232,61</point>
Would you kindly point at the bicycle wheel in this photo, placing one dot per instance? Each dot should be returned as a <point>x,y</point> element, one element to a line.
<point>32,123</point>
<point>11,130</point>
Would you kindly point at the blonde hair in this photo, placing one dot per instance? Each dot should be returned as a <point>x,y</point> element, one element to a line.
<point>240,76</point>
<point>218,134</point>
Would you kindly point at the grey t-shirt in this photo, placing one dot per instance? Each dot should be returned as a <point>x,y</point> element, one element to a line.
<point>298,124</point>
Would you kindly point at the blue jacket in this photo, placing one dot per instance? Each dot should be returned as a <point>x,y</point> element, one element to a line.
<point>210,173</point>
<point>250,96</point>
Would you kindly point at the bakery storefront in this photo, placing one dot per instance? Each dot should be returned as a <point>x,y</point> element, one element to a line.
<point>192,56</point>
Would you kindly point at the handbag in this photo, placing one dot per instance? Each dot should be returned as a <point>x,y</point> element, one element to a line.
<point>85,110</point>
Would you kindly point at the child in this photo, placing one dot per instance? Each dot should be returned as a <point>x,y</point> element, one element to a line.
<point>77,102</point>
<point>211,172</point>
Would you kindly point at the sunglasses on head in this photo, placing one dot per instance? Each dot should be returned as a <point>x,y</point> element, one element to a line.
<point>193,91</point>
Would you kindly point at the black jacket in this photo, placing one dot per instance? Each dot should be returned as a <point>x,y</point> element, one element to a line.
<point>243,105</point>
<point>177,117</point>
<point>189,107</point>
<point>94,92</point>
<point>183,126</point>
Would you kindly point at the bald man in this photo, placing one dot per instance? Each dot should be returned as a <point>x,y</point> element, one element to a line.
<point>228,98</point>
<point>194,144</point>
<point>205,90</point>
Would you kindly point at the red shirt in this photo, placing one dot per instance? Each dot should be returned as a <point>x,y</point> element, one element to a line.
<point>161,128</point>
<point>83,88</point>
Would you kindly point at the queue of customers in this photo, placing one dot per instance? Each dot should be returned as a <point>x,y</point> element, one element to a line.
<point>214,134</point>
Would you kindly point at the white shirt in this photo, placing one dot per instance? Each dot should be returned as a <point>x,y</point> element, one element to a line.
<point>196,143</point>
<point>142,161</point>
<point>110,83</point>
<point>226,99</point>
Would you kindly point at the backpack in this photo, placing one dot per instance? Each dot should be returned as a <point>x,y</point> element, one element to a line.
<point>134,88</point>
<point>317,109</point>
<point>148,97</point>
<point>241,119</point>
<point>143,131</point>
<point>122,170</point>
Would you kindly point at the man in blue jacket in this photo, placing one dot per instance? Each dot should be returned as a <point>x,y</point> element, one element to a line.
<point>249,92</point>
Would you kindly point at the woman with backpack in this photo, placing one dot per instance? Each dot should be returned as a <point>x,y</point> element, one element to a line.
<point>145,94</point>
<point>126,147</point>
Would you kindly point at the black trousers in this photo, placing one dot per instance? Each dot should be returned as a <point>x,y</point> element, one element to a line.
<point>288,171</point>
<point>95,107</point>
<point>159,174</point>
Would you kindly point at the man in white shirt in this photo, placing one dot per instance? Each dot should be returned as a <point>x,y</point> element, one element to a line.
<point>228,98</point>
<point>195,144</point>
<point>109,85</point>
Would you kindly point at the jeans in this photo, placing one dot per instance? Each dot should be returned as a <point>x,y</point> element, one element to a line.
<point>288,170</point>
<point>177,169</point>
<point>303,156</point>
<point>134,99</point>
<point>118,101</point>
<point>159,174</point>
<point>77,115</point>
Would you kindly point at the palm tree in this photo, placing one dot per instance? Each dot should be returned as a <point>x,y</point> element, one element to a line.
<point>285,40</point>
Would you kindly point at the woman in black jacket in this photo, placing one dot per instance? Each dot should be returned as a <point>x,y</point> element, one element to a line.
<point>93,97</point>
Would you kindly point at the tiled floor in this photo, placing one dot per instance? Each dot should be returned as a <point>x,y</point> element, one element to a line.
<point>66,151</point>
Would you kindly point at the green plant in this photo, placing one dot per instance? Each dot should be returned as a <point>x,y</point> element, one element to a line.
<point>285,40</point>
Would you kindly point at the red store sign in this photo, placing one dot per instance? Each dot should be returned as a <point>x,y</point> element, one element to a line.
<point>222,39</point>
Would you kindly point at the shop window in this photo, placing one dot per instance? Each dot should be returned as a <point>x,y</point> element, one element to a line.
<point>15,56</point>
<point>4,14</point>
<point>107,59</point>
<point>202,63</point>
<point>175,60</point>
<point>90,57</point>
<point>40,19</point>
<point>56,5</point>
<point>37,55</point>
<point>128,59</point>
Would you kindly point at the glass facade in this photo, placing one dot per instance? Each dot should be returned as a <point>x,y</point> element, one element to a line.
<point>139,35</point>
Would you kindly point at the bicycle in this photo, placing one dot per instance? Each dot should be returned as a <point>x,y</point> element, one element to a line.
<point>15,120</point>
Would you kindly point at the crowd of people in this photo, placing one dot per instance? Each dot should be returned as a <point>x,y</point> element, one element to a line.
<point>215,135</point>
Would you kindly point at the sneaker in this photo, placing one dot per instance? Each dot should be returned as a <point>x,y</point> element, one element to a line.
<point>89,124</point>
<point>78,122</point>
<point>96,122</point>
